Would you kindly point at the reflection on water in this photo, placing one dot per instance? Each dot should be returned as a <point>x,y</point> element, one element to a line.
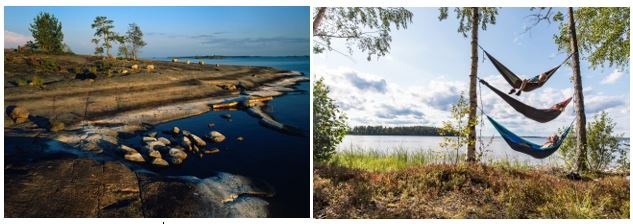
<point>497,150</point>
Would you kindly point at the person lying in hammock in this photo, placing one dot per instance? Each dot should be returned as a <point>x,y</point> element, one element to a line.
<point>558,106</point>
<point>539,79</point>
<point>551,140</point>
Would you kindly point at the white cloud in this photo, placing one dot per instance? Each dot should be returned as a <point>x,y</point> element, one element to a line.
<point>12,39</point>
<point>429,103</point>
<point>613,77</point>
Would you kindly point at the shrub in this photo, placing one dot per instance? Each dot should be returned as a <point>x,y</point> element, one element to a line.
<point>329,123</point>
<point>36,81</point>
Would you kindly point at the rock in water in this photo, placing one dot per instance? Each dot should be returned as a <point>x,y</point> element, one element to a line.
<point>160,162</point>
<point>19,114</point>
<point>198,140</point>
<point>226,116</point>
<point>211,125</point>
<point>217,137</point>
<point>240,138</point>
<point>164,140</point>
<point>176,161</point>
<point>211,151</point>
<point>149,139</point>
<point>177,153</point>
<point>57,126</point>
<point>152,134</point>
<point>154,153</point>
<point>127,149</point>
<point>156,145</point>
<point>186,133</point>
<point>175,130</point>
<point>134,157</point>
<point>186,143</point>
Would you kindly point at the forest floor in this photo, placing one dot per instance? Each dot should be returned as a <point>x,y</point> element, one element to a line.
<point>466,191</point>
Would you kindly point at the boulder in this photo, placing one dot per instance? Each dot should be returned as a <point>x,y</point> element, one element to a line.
<point>134,67</point>
<point>211,125</point>
<point>57,126</point>
<point>195,149</point>
<point>152,134</point>
<point>177,153</point>
<point>155,145</point>
<point>175,130</point>
<point>187,62</point>
<point>134,157</point>
<point>186,143</point>
<point>211,151</point>
<point>127,149</point>
<point>154,153</point>
<point>19,114</point>
<point>217,137</point>
<point>197,140</point>
<point>149,139</point>
<point>176,161</point>
<point>124,71</point>
<point>240,138</point>
<point>174,60</point>
<point>150,67</point>
<point>164,140</point>
<point>201,62</point>
<point>160,162</point>
<point>186,133</point>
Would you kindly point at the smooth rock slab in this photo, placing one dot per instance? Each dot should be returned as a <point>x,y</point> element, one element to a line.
<point>71,188</point>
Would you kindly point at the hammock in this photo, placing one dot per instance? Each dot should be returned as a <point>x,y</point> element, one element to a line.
<point>515,81</point>
<point>540,115</point>
<point>524,146</point>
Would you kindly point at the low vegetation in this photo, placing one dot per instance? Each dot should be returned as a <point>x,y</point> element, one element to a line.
<point>465,191</point>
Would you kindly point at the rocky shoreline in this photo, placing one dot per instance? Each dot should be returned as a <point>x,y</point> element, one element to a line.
<point>101,184</point>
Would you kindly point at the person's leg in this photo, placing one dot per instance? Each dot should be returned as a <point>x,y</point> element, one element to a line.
<point>523,85</point>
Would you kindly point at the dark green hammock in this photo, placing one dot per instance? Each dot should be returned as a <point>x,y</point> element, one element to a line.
<point>515,81</point>
<point>540,115</point>
<point>524,146</point>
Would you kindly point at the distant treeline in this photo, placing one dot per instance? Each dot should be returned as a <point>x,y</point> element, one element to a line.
<point>380,130</point>
<point>223,57</point>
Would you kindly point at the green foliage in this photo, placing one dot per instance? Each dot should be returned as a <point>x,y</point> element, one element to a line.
<point>603,146</point>
<point>604,35</point>
<point>380,130</point>
<point>487,15</point>
<point>329,123</point>
<point>36,81</point>
<point>134,40</point>
<point>457,126</point>
<point>47,32</point>
<point>366,28</point>
<point>103,35</point>
<point>21,82</point>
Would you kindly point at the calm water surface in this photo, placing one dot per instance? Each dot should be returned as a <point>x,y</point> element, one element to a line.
<point>497,150</point>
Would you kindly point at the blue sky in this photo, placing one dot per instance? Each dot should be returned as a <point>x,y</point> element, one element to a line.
<point>175,31</point>
<point>429,65</point>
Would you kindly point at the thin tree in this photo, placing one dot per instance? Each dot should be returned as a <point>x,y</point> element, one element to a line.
<point>368,28</point>
<point>103,32</point>
<point>134,40</point>
<point>470,19</point>
<point>604,40</point>
<point>47,32</point>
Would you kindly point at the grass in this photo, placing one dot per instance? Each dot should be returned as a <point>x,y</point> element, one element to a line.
<point>370,183</point>
<point>465,191</point>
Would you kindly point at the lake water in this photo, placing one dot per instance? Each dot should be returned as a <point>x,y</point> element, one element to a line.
<point>279,160</point>
<point>497,150</point>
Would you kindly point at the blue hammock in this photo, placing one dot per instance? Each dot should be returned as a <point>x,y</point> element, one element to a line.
<point>524,146</point>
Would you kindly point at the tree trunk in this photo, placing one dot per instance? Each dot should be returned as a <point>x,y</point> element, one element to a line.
<point>472,110</point>
<point>107,44</point>
<point>581,132</point>
<point>317,20</point>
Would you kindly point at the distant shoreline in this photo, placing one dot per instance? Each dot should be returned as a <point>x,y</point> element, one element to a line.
<point>225,57</point>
